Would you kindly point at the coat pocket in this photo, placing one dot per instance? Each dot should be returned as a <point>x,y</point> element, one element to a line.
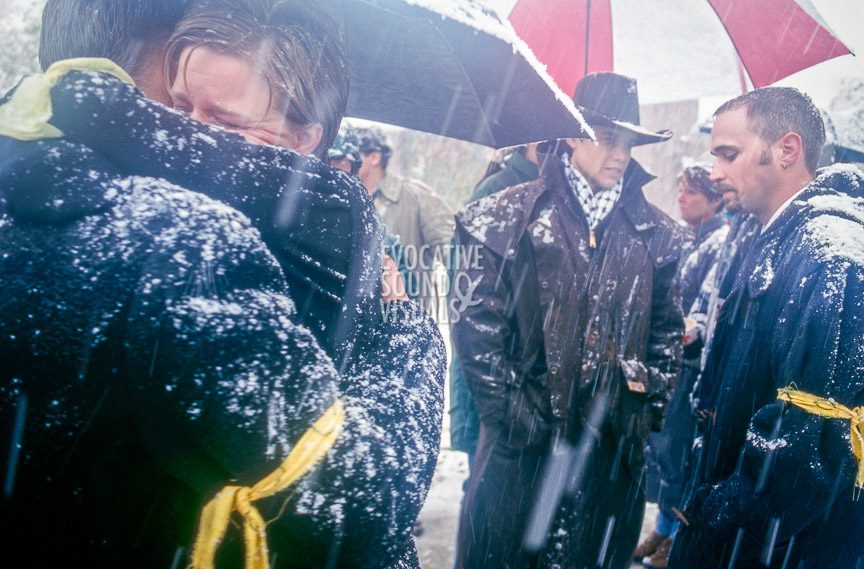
<point>527,420</point>
<point>631,419</point>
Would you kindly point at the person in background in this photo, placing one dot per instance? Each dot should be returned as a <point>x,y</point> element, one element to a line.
<point>344,154</point>
<point>700,203</point>
<point>519,166</point>
<point>572,340</point>
<point>411,210</point>
<point>784,379</point>
<point>667,453</point>
<point>744,228</point>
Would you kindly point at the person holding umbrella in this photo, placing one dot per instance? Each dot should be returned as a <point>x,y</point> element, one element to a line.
<point>574,338</point>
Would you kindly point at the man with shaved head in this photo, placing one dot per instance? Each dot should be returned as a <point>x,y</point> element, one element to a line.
<point>779,474</point>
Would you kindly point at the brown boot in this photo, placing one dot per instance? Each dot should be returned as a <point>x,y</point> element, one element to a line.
<point>649,546</point>
<point>660,558</point>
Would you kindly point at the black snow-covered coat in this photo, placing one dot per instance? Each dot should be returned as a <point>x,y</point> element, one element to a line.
<point>776,482</point>
<point>464,422</point>
<point>319,222</point>
<point>375,480</point>
<point>743,230</point>
<point>699,257</point>
<point>148,358</point>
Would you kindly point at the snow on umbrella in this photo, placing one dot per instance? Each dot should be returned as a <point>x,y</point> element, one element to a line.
<point>449,67</point>
<point>677,49</point>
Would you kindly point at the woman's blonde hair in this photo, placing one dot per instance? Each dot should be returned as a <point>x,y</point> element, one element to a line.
<point>293,43</point>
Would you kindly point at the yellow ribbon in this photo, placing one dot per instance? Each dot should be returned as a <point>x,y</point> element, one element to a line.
<point>216,515</point>
<point>830,408</point>
<point>26,114</point>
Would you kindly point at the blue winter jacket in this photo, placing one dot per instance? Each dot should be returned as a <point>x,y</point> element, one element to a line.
<point>776,482</point>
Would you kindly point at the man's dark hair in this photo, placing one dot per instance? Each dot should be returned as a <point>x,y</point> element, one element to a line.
<point>373,139</point>
<point>120,30</point>
<point>774,111</point>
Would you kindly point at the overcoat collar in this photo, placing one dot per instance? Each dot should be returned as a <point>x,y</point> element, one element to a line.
<point>837,190</point>
<point>632,200</point>
<point>499,220</point>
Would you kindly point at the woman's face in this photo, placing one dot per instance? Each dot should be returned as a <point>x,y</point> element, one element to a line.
<point>695,206</point>
<point>227,91</point>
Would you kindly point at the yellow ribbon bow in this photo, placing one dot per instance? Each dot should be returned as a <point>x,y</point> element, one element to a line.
<point>830,408</point>
<point>216,515</point>
<point>26,114</point>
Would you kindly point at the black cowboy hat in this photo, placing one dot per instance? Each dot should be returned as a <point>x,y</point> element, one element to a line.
<point>609,99</point>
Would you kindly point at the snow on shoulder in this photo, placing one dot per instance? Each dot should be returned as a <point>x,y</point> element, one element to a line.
<point>835,228</point>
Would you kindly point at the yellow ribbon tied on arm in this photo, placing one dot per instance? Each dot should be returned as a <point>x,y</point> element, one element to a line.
<point>26,114</point>
<point>216,515</point>
<point>832,409</point>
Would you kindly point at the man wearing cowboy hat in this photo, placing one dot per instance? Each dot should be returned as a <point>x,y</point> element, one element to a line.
<point>575,315</point>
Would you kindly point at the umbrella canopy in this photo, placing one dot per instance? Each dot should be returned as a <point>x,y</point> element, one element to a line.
<point>677,49</point>
<point>449,67</point>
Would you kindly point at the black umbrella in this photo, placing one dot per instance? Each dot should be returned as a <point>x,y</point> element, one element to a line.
<point>449,67</point>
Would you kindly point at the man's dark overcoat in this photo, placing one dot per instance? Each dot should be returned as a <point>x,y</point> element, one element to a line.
<point>547,327</point>
<point>464,422</point>
<point>776,482</point>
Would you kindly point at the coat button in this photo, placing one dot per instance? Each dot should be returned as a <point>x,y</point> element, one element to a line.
<point>553,370</point>
<point>544,284</point>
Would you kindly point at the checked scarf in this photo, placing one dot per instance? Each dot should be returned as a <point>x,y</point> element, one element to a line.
<point>595,205</point>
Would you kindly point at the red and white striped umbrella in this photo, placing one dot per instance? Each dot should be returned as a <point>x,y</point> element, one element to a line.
<point>677,49</point>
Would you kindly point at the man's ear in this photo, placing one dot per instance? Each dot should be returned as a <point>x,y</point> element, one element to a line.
<point>572,142</point>
<point>373,158</point>
<point>790,148</point>
<point>306,139</point>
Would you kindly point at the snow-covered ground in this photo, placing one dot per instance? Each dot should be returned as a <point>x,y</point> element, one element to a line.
<point>440,515</point>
